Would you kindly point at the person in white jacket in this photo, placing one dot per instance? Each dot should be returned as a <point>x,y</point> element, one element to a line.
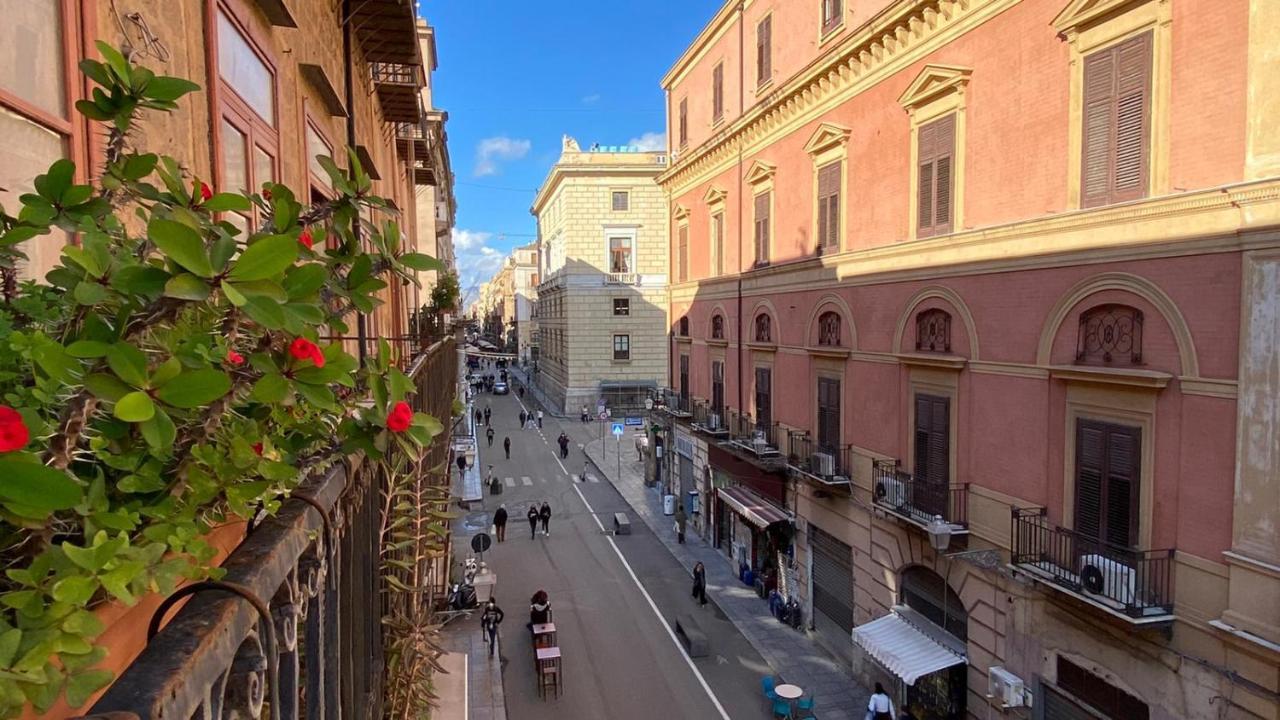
<point>880,707</point>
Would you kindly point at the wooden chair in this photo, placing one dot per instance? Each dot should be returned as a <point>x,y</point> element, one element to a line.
<point>549,669</point>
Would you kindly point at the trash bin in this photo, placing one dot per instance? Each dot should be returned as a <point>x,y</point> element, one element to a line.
<point>668,504</point>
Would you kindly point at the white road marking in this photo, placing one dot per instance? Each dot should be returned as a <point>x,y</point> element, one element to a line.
<point>593,478</point>
<point>526,480</point>
<point>511,482</point>
<point>542,480</point>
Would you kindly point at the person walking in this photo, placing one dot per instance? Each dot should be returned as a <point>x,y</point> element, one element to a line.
<point>523,416</point>
<point>506,446</point>
<point>539,418</point>
<point>681,519</point>
<point>489,621</point>
<point>494,486</point>
<point>489,434</point>
<point>545,516</point>
<point>500,523</point>
<point>700,583</point>
<point>532,515</point>
<point>487,412</point>
<point>880,707</point>
<point>462,466</point>
<point>584,413</point>
<point>479,417</point>
<point>539,609</point>
<point>564,445</point>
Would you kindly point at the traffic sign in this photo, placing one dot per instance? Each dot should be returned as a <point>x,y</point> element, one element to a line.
<point>635,421</point>
<point>604,415</point>
<point>617,429</point>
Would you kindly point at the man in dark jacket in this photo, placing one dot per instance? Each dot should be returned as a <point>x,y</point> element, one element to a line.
<point>489,434</point>
<point>544,515</point>
<point>500,523</point>
<point>489,622</point>
<point>523,416</point>
<point>532,515</point>
<point>506,446</point>
<point>564,446</point>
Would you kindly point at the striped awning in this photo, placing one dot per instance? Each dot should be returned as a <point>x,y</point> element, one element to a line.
<point>752,507</point>
<point>903,649</point>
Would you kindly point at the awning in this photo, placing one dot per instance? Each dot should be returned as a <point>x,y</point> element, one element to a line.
<point>755,509</point>
<point>902,649</point>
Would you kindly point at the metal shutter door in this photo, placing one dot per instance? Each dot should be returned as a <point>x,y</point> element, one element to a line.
<point>1060,707</point>
<point>832,578</point>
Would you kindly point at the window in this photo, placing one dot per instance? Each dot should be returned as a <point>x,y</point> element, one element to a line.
<point>764,397</point>
<point>762,202</point>
<point>247,136</point>
<point>621,347</point>
<point>1098,693</point>
<point>829,207</point>
<point>764,50</point>
<point>621,307</point>
<point>933,331</point>
<point>683,326</point>
<point>684,122</point>
<point>682,254</point>
<point>621,201</point>
<point>932,453</point>
<point>828,415</point>
<point>620,255</point>
<point>935,150</point>
<point>243,70</point>
<point>1115,151</point>
<point>717,93</point>
<point>829,329</point>
<point>717,244</point>
<point>831,14</point>
<point>717,388</point>
<point>684,380</point>
<point>1107,478</point>
<point>764,328</point>
<point>1110,335</point>
<point>717,327</point>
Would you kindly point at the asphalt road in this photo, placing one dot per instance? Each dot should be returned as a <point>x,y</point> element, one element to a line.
<point>620,660</point>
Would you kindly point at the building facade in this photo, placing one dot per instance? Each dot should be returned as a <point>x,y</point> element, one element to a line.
<point>974,306</point>
<point>436,207</point>
<point>524,281</point>
<point>602,249</point>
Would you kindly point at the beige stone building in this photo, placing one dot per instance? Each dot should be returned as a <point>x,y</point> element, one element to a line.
<point>436,206</point>
<point>602,249</point>
<point>524,285</point>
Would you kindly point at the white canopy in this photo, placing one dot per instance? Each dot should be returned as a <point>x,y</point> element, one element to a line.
<point>902,649</point>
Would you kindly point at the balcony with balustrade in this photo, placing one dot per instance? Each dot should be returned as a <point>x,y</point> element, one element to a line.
<point>1134,585</point>
<point>755,442</point>
<point>397,87</point>
<point>825,468</point>
<point>710,420</point>
<point>672,403</point>
<point>918,501</point>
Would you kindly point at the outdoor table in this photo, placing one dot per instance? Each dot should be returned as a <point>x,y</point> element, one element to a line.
<point>548,660</point>
<point>544,632</point>
<point>790,693</point>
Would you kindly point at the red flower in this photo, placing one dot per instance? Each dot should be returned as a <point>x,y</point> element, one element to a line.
<point>257,449</point>
<point>305,239</point>
<point>400,418</point>
<point>304,349</point>
<point>234,358</point>
<point>206,194</point>
<point>13,430</point>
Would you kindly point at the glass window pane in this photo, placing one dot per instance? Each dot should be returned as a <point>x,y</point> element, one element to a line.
<point>263,167</point>
<point>235,171</point>
<point>31,64</point>
<point>317,146</point>
<point>27,150</point>
<point>242,69</point>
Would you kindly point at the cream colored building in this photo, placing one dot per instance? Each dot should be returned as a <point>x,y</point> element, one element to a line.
<point>524,279</point>
<point>436,206</point>
<point>602,254</point>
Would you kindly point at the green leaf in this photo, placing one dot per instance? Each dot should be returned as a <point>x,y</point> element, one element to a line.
<point>82,686</point>
<point>54,183</point>
<point>418,261</point>
<point>87,349</point>
<point>182,244</point>
<point>114,60</point>
<point>308,314</point>
<point>304,280</point>
<point>128,363</point>
<point>89,293</point>
<point>270,389</point>
<point>55,362</point>
<point>84,259</point>
<point>95,71</point>
<point>139,280</point>
<point>80,622</point>
<point>90,109</point>
<point>166,371</point>
<point>159,432</point>
<point>135,407</point>
<point>137,167</point>
<point>317,395</point>
<point>169,88</point>
<point>76,590</point>
<point>398,385</point>
<point>186,286</point>
<point>35,485</point>
<point>266,312</point>
<point>106,387</point>
<point>266,258</point>
<point>9,640</point>
<point>234,296</point>
<point>226,202</point>
<point>195,388</point>
<point>262,288</point>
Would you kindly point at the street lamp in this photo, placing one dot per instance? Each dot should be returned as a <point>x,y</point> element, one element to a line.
<point>939,534</point>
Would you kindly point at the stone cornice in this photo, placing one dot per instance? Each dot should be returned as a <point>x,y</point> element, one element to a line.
<point>827,135</point>
<point>934,80</point>
<point>759,172</point>
<point>1079,13</point>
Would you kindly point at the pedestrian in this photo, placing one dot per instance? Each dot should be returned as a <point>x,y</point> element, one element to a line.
<point>539,609</point>
<point>880,707</point>
<point>494,486</point>
<point>681,518</point>
<point>584,413</point>
<point>479,417</point>
<point>500,523</point>
<point>642,443</point>
<point>487,412</point>
<point>462,465</point>
<point>532,515</point>
<point>544,515</point>
<point>489,434</point>
<point>520,392</point>
<point>489,621</point>
<point>522,419</point>
<point>700,583</point>
<point>506,446</point>
<point>539,418</point>
<point>564,445</point>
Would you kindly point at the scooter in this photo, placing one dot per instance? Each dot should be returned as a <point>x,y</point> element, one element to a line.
<point>462,597</point>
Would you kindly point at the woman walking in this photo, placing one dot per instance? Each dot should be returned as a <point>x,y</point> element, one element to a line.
<point>545,516</point>
<point>500,523</point>
<point>532,515</point>
<point>539,609</point>
<point>506,446</point>
<point>489,622</point>
<point>700,583</point>
<point>523,417</point>
<point>880,707</point>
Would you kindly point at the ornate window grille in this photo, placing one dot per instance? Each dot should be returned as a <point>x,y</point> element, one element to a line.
<point>764,328</point>
<point>829,329</point>
<point>933,331</point>
<point>1110,334</point>
<point>717,327</point>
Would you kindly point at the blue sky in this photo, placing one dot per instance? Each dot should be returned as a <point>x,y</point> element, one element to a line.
<point>515,75</point>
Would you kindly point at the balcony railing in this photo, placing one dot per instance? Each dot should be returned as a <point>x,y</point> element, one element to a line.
<point>618,278</point>
<point>828,466</point>
<point>673,403</point>
<point>919,501</point>
<point>710,420</point>
<point>1134,584</point>
<point>758,438</point>
<point>394,73</point>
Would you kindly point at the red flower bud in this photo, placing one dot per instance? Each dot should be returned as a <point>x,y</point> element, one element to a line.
<point>14,434</point>
<point>206,194</point>
<point>400,417</point>
<point>257,449</point>
<point>317,358</point>
<point>304,349</point>
<point>305,239</point>
<point>234,358</point>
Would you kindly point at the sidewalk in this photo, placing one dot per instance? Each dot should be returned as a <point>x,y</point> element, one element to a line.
<point>534,394</point>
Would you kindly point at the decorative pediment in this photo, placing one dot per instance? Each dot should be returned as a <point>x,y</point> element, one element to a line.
<point>760,171</point>
<point>827,135</point>
<point>681,212</point>
<point>714,195</point>
<point>1080,13</point>
<point>934,80</point>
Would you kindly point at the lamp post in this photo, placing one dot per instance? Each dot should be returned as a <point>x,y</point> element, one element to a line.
<point>939,534</point>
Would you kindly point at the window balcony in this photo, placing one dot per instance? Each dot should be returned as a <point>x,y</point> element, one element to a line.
<point>755,442</point>
<point>899,493</point>
<point>1133,585</point>
<point>618,278</point>
<point>710,421</point>
<point>397,88</point>
<point>670,401</point>
<point>828,468</point>
<point>412,135</point>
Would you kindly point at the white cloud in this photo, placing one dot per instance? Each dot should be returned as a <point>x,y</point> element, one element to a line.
<point>591,99</point>
<point>650,141</point>
<point>467,239</point>
<point>492,150</point>
<point>477,262</point>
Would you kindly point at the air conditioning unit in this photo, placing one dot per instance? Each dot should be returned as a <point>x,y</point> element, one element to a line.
<point>713,421</point>
<point>824,464</point>
<point>1005,687</point>
<point>1111,581</point>
<point>758,441</point>
<point>891,492</point>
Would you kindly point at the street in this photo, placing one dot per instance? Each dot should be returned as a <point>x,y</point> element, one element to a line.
<point>609,596</point>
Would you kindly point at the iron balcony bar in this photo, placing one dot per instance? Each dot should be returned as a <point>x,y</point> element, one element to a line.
<point>810,461</point>
<point>917,500</point>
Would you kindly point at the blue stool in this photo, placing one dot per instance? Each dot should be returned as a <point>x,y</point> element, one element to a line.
<point>782,709</point>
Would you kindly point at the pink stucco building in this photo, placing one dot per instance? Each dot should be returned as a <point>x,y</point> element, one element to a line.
<point>1006,270</point>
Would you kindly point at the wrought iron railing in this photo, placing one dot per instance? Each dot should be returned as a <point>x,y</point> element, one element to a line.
<point>621,278</point>
<point>671,401</point>
<point>1136,583</point>
<point>410,131</point>
<point>710,419</point>
<point>760,438</point>
<point>918,500</point>
<point>394,73</point>
<point>833,466</point>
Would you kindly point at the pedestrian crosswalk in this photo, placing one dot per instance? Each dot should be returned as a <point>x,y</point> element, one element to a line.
<point>527,481</point>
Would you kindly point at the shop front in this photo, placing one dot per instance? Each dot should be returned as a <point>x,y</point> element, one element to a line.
<point>757,534</point>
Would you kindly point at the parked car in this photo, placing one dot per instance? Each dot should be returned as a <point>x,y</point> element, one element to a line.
<point>501,388</point>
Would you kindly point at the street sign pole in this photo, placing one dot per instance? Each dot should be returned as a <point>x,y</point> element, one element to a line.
<point>619,449</point>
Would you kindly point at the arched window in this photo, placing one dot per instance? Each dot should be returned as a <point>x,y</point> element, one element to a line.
<point>829,329</point>
<point>933,331</point>
<point>683,326</point>
<point>924,591</point>
<point>717,327</point>
<point>764,328</point>
<point>1110,335</point>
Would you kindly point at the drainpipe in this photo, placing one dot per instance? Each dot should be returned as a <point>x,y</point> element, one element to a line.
<point>348,83</point>
<point>742,49</point>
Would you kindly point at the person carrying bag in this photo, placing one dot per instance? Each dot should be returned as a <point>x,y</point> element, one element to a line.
<point>880,707</point>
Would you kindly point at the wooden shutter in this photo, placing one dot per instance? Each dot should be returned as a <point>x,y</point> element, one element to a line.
<point>717,244</point>
<point>684,377</point>
<point>764,49</point>
<point>717,387</point>
<point>684,122</point>
<point>933,439</point>
<point>717,92</point>
<point>683,253</point>
<point>764,399</point>
<point>829,206</point>
<point>935,150</point>
<point>762,228</point>
<point>828,415</point>
<point>1115,146</point>
<point>1107,472</point>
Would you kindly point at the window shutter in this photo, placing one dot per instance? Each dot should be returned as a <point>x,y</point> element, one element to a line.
<point>822,223</point>
<point>1090,455</point>
<point>829,205</point>
<point>764,406</point>
<point>764,49</point>
<point>1096,153</point>
<point>944,145</point>
<point>684,122</point>
<point>1107,482</point>
<point>762,227</point>
<point>1133,110</point>
<point>683,253</point>
<point>717,92</point>
<point>940,441</point>
<point>1122,486</point>
<point>828,414</point>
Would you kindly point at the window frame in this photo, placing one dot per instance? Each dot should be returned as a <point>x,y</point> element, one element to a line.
<point>1112,52</point>
<point>621,233</point>
<point>716,231</point>
<point>717,388</point>
<point>683,110</point>
<point>764,51</point>
<point>829,25</point>
<point>826,246</point>
<point>763,397</point>
<point>717,94</point>
<point>766,325</point>
<point>626,200</point>
<point>625,307</point>
<point>928,134</point>
<point>623,353</point>
<point>826,334</point>
<point>682,252</point>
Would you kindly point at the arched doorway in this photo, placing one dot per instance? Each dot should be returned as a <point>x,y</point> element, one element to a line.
<point>940,695</point>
